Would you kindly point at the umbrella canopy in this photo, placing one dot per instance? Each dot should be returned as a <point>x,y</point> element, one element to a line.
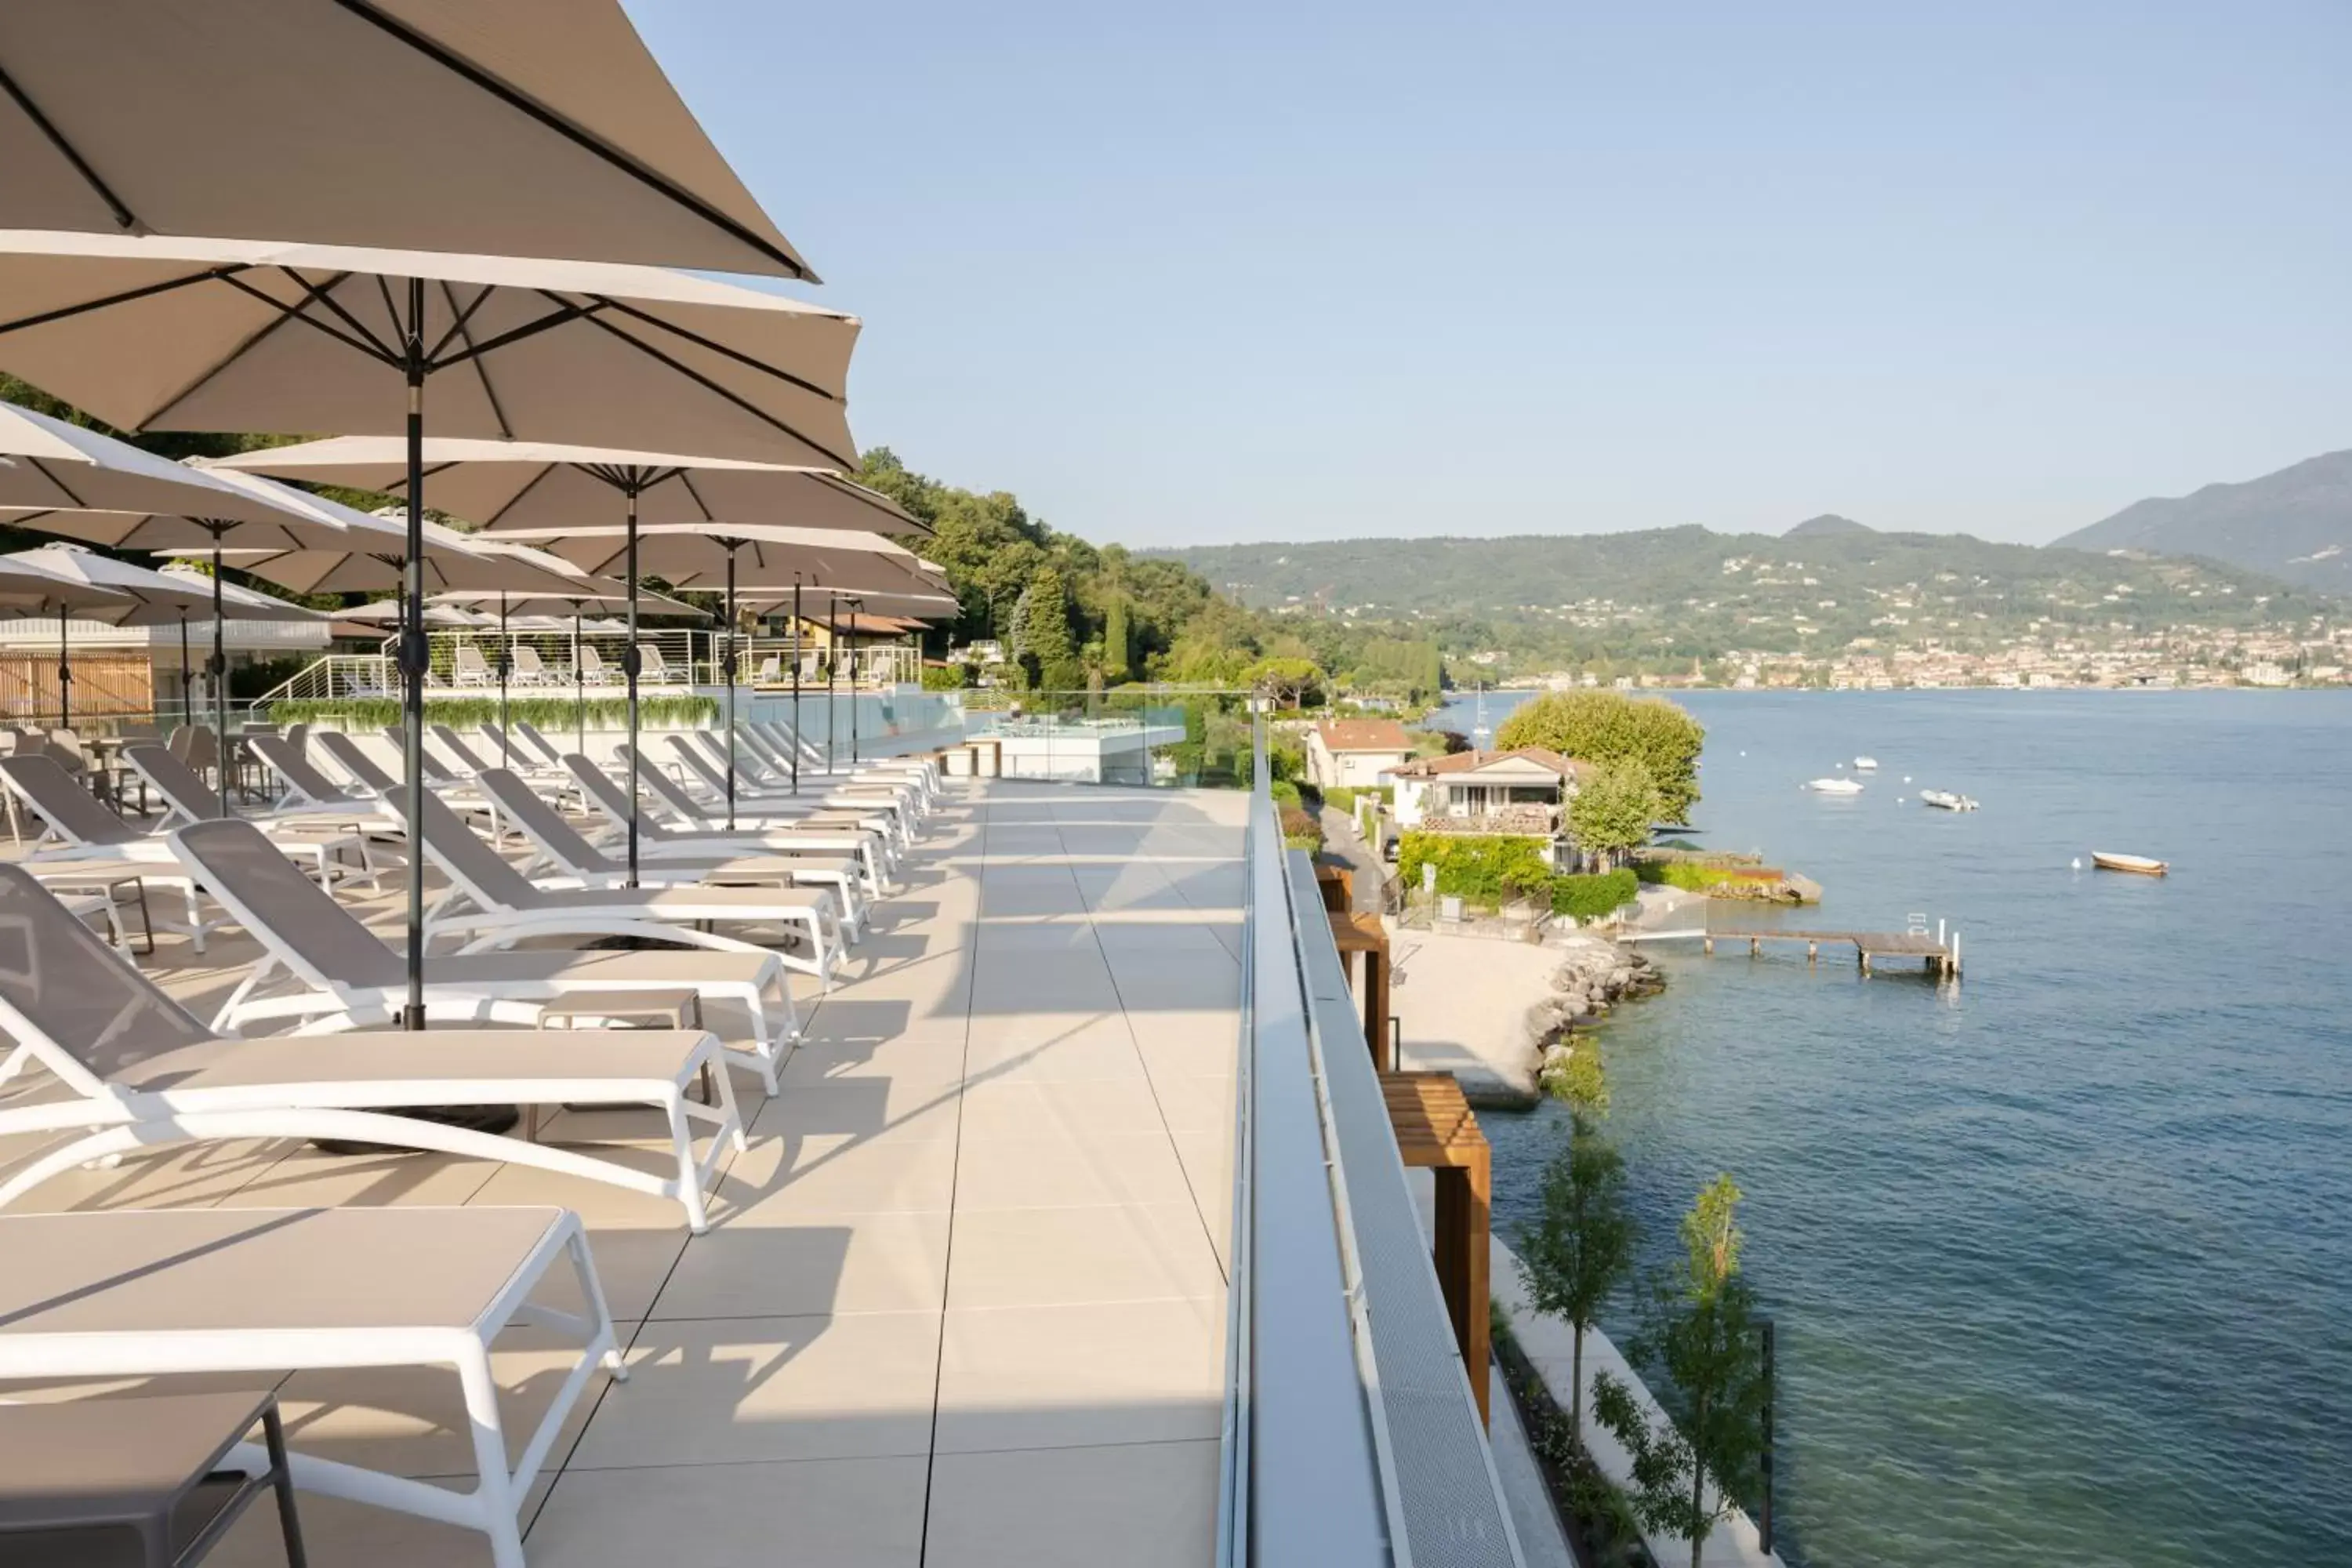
<point>274,516</point>
<point>237,335</point>
<point>538,485</point>
<point>388,612</point>
<point>526,605</point>
<point>147,597</point>
<point>242,604</point>
<point>375,562</point>
<point>49,466</point>
<point>222,117</point>
<point>765,556</point>
<point>219,335</point>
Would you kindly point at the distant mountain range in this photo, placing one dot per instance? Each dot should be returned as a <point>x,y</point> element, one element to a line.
<point>1687,591</point>
<point>2296,524</point>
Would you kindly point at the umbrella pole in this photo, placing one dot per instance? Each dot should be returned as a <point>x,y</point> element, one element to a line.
<point>579,686</point>
<point>730,688</point>
<point>506,652</point>
<point>219,668</point>
<point>796,686</point>
<point>630,662</point>
<point>853,687</point>
<point>64,674</point>
<point>832,673</point>
<point>187,674</point>
<point>412,655</point>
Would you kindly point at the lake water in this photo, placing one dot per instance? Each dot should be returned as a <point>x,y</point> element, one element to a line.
<point>2062,1261</point>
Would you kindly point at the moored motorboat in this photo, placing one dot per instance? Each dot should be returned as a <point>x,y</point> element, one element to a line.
<point>1946,800</point>
<point>1835,787</point>
<point>1865,765</point>
<point>2140,863</point>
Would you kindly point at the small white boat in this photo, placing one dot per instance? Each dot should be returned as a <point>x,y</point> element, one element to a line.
<point>1946,800</point>
<point>2140,863</point>
<point>1835,787</point>
<point>1865,765</point>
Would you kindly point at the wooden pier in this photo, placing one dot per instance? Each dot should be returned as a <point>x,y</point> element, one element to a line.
<point>1939,949</point>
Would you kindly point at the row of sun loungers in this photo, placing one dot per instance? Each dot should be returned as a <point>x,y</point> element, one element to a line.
<point>100,1061</point>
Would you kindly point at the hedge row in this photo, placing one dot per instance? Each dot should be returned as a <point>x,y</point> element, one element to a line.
<point>549,714</point>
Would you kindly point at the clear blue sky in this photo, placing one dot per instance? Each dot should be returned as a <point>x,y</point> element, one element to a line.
<point>1218,272</point>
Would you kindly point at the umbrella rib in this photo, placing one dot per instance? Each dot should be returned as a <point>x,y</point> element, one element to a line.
<point>625,309</point>
<point>457,317</point>
<point>284,315</point>
<point>123,217</point>
<point>746,405</point>
<point>867,498</point>
<point>570,312</point>
<point>687,479</point>
<point>481,372</point>
<point>365,341</point>
<point>515,499</point>
<point>574,134</point>
<point>42,468</point>
<point>65,312</point>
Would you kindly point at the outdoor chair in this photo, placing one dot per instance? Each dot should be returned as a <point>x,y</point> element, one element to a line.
<point>257,1293</point>
<point>700,757</point>
<point>652,669</point>
<point>302,785</point>
<point>541,749</point>
<point>593,670</point>
<point>507,907</point>
<point>823,831</point>
<point>782,811</point>
<point>93,850</point>
<point>563,850</point>
<point>323,966</point>
<point>139,1070</point>
<point>469,667</point>
<point>529,670</point>
<point>323,837</point>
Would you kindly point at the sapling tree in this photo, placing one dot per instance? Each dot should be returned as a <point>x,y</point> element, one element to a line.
<point>1700,1338</point>
<point>1581,1247</point>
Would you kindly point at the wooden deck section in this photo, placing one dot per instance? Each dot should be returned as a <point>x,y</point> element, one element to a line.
<point>1942,953</point>
<point>1435,1129</point>
<point>1353,935</point>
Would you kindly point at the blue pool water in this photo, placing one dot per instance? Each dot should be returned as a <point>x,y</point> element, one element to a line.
<point>2062,1262</point>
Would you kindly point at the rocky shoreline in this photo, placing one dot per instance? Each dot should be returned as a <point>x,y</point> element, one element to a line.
<point>1594,974</point>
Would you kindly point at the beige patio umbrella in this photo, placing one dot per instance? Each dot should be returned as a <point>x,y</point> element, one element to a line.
<point>235,335</point>
<point>708,555</point>
<point>137,596</point>
<point>541,490</point>
<point>61,478</point>
<point>527,127</point>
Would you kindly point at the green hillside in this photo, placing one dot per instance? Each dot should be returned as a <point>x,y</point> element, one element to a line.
<point>1687,592</point>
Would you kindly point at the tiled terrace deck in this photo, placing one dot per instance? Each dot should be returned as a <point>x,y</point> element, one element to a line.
<point>964,1299</point>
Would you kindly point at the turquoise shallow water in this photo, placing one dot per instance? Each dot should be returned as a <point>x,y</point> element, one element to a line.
<point>2061,1265</point>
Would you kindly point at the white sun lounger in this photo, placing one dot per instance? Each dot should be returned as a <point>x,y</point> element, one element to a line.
<point>751,777</point>
<point>155,1292</point>
<point>507,907</point>
<point>776,741</point>
<point>85,847</point>
<point>320,965</point>
<point>820,832</point>
<point>693,810</point>
<point>766,742</point>
<point>303,786</point>
<point>755,780</point>
<point>546,749</point>
<point>296,833</point>
<point>564,851</point>
<point>781,743</point>
<point>139,1070</point>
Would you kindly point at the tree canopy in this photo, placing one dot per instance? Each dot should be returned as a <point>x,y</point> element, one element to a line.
<point>1613,807</point>
<point>1610,727</point>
